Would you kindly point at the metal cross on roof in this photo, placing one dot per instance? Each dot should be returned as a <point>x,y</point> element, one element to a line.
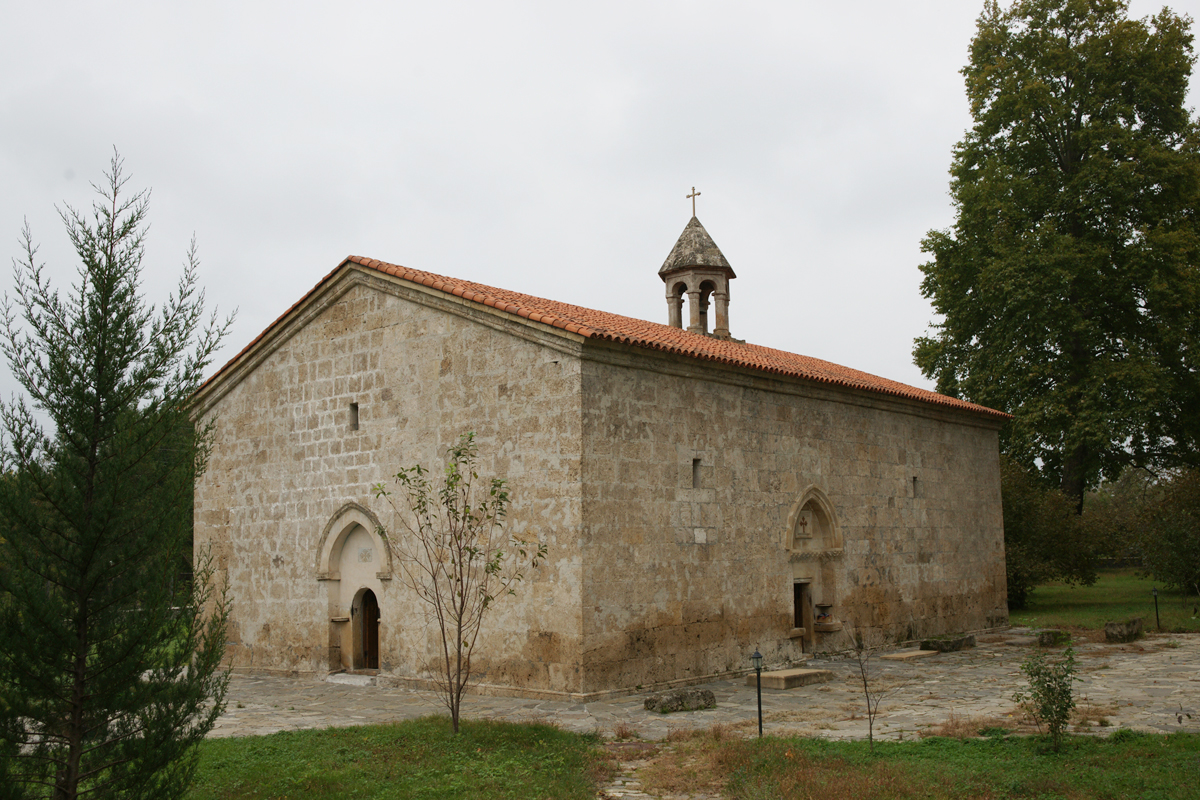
<point>693,197</point>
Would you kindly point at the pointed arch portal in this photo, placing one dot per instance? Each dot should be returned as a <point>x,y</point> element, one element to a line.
<point>814,539</point>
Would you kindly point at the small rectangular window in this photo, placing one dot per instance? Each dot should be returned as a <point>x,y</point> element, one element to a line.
<point>354,416</point>
<point>695,473</point>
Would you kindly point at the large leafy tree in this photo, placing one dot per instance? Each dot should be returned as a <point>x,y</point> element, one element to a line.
<point>1069,286</point>
<point>109,656</point>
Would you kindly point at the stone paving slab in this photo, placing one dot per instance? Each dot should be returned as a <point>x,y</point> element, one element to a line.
<point>1142,685</point>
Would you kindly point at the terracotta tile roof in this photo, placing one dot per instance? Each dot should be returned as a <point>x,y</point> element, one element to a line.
<point>592,324</point>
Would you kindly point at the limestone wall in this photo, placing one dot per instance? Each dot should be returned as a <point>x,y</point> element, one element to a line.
<point>692,500</point>
<point>422,368</point>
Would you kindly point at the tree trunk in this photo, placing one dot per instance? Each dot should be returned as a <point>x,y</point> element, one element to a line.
<point>1073,482</point>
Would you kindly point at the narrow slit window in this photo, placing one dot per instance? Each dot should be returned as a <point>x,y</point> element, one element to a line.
<point>695,473</point>
<point>354,416</point>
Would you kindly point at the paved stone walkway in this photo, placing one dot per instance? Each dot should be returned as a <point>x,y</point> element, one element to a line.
<point>1149,685</point>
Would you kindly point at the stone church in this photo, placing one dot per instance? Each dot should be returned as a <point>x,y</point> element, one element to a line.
<point>700,496</point>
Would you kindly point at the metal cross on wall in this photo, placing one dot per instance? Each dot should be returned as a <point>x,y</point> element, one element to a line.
<point>693,197</point>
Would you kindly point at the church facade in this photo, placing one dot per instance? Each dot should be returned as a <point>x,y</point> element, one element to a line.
<point>700,497</point>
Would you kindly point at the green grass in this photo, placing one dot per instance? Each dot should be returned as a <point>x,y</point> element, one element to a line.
<point>414,759</point>
<point>1116,595</point>
<point>1127,765</point>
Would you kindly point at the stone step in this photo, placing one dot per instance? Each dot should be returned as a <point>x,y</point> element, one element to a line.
<point>348,679</point>
<point>909,655</point>
<point>790,678</point>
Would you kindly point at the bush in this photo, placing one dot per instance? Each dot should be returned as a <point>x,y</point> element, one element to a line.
<point>1171,543</point>
<point>1044,538</point>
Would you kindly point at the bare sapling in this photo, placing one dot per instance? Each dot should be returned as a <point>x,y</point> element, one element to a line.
<point>864,645</point>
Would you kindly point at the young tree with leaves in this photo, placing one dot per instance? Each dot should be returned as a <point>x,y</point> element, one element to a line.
<point>1069,287</point>
<point>456,556</point>
<point>109,657</point>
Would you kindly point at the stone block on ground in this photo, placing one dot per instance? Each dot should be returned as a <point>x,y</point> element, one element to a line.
<point>1125,631</point>
<point>948,644</point>
<point>1053,638</point>
<point>681,700</point>
<point>790,678</point>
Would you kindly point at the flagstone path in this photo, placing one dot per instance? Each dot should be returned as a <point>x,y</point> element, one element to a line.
<point>1145,686</point>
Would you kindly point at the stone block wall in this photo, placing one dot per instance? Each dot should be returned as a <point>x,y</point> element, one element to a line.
<point>420,370</point>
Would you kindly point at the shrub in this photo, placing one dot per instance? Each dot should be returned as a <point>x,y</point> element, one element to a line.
<point>1044,538</point>
<point>1171,544</point>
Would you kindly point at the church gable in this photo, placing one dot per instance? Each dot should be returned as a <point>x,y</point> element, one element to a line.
<point>364,379</point>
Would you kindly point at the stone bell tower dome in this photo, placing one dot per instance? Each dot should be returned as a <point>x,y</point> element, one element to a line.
<point>696,267</point>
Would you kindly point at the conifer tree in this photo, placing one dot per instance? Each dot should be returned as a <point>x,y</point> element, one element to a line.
<point>110,649</point>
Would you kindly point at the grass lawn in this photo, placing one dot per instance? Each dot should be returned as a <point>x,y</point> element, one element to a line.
<point>1116,595</point>
<point>1128,765</point>
<point>412,760</point>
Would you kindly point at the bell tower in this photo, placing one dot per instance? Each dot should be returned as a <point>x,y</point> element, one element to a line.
<point>696,267</point>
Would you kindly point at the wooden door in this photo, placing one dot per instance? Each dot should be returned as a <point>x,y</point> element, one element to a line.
<point>802,612</point>
<point>370,630</point>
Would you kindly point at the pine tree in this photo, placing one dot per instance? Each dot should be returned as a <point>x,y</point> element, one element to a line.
<point>110,649</point>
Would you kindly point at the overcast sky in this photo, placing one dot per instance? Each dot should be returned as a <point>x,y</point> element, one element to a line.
<point>545,148</point>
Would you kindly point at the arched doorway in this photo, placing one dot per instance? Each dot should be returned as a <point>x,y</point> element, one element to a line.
<point>366,630</point>
<point>815,544</point>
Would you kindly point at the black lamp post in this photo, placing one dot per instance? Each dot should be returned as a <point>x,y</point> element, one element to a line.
<point>756,660</point>
<point>1157,621</point>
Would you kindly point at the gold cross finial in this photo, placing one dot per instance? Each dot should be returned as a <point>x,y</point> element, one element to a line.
<point>693,197</point>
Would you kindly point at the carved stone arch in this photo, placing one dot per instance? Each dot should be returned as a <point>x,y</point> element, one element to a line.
<point>814,498</point>
<point>329,547</point>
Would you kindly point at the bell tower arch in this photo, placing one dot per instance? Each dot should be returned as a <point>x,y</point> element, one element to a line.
<point>697,269</point>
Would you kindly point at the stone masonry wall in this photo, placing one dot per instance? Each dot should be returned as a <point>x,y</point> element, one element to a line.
<point>680,583</point>
<point>422,369</point>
